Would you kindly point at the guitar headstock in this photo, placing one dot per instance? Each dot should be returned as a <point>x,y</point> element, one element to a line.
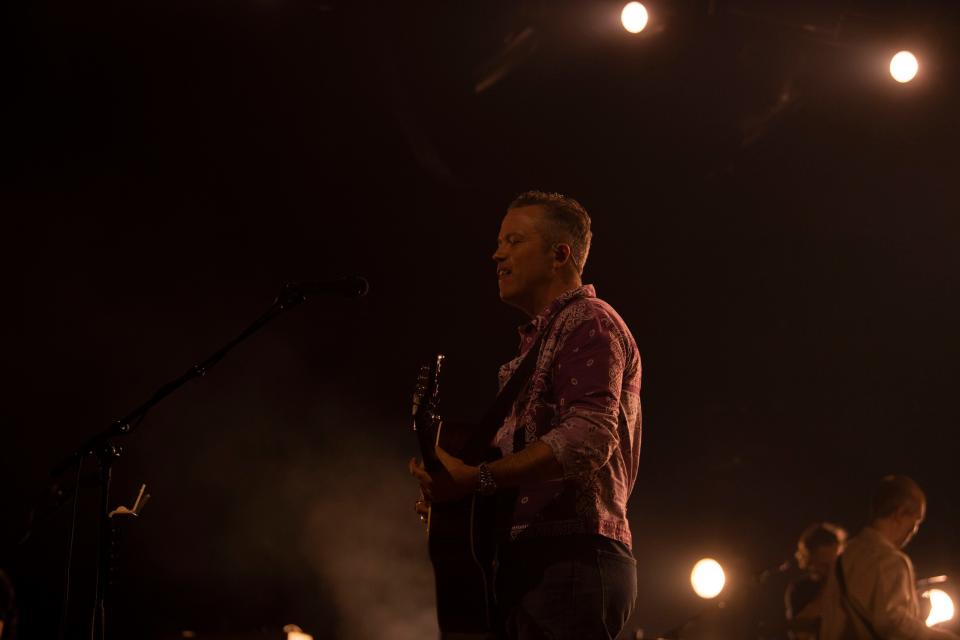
<point>426,393</point>
<point>426,404</point>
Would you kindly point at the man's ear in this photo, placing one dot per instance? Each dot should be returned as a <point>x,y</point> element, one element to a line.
<point>561,252</point>
<point>906,512</point>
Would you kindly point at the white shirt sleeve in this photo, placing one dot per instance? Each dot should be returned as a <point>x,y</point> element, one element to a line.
<point>894,607</point>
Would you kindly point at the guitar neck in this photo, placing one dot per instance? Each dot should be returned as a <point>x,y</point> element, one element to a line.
<point>427,439</point>
<point>426,421</point>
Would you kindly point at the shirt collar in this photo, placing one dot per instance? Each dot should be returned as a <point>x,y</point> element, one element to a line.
<point>878,537</point>
<point>536,325</point>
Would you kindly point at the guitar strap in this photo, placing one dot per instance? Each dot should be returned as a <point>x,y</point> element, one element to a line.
<point>493,418</point>
<point>852,605</point>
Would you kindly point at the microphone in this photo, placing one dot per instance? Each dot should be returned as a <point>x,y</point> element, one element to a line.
<point>347,287</point>
<point>787,565</point>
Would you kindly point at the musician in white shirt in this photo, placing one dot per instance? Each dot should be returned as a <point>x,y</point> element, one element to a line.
<point>872,594</point>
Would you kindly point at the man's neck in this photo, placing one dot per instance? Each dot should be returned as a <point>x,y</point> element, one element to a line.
<point>556,289</point>
<point>886,531</point>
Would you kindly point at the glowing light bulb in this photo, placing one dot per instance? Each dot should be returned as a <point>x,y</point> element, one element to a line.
<point>707,578</point>
<point>634,17</point>
<point>296,633</point>
<point>904,66</point>
<point>941,606</point>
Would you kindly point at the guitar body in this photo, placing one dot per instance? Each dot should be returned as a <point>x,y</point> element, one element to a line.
<point>461,543</point>
<point>461,550</point>
<point>461,535</point>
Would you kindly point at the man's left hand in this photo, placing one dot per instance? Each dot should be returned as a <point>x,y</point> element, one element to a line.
<point>452,482</point>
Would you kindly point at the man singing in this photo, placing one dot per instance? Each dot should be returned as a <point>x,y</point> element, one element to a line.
<point>570,444</point>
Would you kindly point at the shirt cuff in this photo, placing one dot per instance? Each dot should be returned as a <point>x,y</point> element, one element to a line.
<point>583,442</point>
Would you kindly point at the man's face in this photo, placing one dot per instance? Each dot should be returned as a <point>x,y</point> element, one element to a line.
<point>525,265</point>
<point>910,520</point>
<point>822,557</point>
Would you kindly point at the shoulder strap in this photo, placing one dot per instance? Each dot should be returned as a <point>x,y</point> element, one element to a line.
<point>850,603</point>
<point>500,408</point>
<point>493,418</point>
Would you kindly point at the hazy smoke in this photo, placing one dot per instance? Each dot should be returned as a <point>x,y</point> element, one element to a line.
<point>363,538</point>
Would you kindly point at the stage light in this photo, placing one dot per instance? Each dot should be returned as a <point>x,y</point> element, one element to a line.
<point>634,17</point>
<point>904,66</point>
<point>941,606</point>
<point>295,633</point>
<point>707,578</point>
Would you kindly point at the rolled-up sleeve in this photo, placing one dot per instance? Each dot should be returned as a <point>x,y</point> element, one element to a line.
<point>588,376</point>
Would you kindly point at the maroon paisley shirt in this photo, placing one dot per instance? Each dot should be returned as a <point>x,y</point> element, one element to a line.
<point>583,400</point>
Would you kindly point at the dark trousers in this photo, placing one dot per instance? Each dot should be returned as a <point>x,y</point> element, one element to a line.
<point>581,587</point>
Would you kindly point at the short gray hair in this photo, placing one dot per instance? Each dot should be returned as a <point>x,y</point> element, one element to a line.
<point>894,493</point>
<point>570,222</point>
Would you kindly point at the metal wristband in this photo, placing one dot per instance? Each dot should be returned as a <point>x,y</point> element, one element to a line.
<point>486,485</point>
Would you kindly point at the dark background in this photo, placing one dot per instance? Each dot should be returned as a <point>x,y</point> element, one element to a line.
<point>775,218</point>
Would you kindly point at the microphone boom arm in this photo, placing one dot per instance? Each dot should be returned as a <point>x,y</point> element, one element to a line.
<point>286,300</point>
<point>102,446</point>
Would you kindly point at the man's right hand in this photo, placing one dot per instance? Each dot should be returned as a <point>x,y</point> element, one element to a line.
<point>422,507</point>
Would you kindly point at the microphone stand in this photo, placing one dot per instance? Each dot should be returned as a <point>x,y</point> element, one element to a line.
<point>107,452</point>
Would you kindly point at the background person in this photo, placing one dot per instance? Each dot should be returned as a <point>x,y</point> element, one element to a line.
<point>817,550</point>
<point>871,593</point>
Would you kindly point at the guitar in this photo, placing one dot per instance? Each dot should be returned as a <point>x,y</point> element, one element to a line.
<point>460,534</point>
